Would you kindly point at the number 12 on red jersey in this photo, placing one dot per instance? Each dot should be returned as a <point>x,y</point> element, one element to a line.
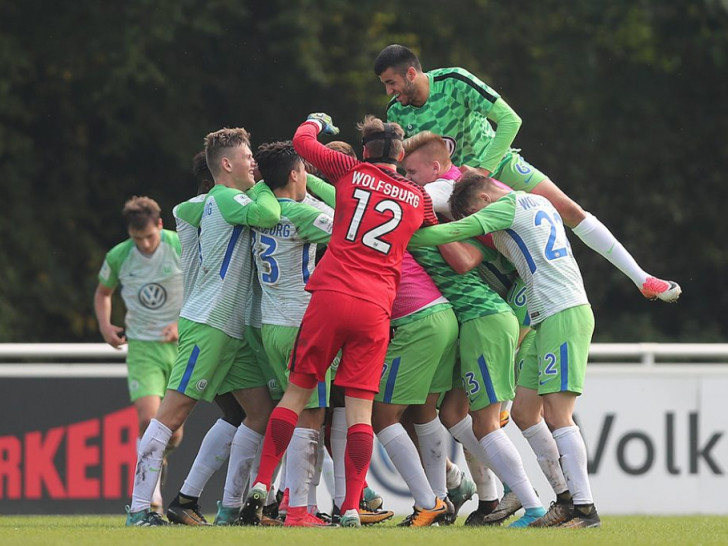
<point>371,238</point>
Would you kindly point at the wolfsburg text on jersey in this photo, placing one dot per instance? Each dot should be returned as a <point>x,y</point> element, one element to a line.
<point>395,192</point>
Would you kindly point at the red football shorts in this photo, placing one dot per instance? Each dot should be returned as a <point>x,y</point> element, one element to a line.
<point>334,321</point>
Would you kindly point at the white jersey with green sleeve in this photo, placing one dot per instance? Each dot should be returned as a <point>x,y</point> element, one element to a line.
<point>151,285</point>
<point>222,288</point>
<point>537,245</point>
<point>528,231</point>
<point>285,257</point>
<point>187,216</point>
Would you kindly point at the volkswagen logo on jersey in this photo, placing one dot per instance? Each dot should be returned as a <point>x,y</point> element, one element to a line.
<point>451,144</point>
<point>152,295</point>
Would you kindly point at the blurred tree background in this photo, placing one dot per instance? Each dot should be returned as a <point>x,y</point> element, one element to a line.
<point>625,106</point>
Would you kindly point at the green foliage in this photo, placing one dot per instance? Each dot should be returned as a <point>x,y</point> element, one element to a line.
<point>623,106</point>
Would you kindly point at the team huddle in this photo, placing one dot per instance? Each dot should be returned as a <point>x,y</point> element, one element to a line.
<point>321,299</point>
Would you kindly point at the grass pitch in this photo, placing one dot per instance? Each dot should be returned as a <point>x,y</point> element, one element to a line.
<point>110,531</point>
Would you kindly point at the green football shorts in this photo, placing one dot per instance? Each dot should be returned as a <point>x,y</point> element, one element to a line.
<point>420,358</point>
<point>149,365</point>
<point>487,349</point>
<point>556,361</point>
<point>278,342</point>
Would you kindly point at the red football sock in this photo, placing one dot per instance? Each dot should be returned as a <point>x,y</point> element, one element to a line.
<point>359,441</point>
<point>277,437</point>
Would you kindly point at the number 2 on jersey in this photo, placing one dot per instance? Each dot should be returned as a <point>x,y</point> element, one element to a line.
<point>550,252</point>
<point>371,238</point>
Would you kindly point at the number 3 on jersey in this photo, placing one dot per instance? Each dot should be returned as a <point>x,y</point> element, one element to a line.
<point>371,238</point>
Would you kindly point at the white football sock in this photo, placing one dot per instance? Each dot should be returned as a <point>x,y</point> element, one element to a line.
<point>282,470</point>
<point>328,473</point>
<point>406,460</point>
<point>547,454</point>
<point>598,237</point>
<point>149,464</point>
<point>299,465</point>
<point>574,462</point>
<point>243,449</point>
<point>214,451</point>
<point>463,433</point>
<point>317,469</point>
<point>432,448</point>
<point>483,477</point>
<point>453,476</point>
<point>338,449</point>
<point>504,460</point>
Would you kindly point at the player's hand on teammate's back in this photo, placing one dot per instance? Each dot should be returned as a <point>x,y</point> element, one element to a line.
<point>327,124</point>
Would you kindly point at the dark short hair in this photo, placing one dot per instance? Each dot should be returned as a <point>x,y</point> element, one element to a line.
<point>275,162</point>
<point>138,212</point>
<point>398,57</point>
<point>464,192</point>
<point>202,173</point>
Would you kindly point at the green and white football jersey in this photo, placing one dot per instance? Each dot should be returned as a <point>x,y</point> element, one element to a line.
<point>535,242</point>
<point>528,231</point>
<point>222,288</point>
<point>188,215</point>
<point>151,285</point>
<point>285,257</point>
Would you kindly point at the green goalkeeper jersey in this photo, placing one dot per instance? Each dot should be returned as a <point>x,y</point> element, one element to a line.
<point>458,108</point>
<point>469,296</point>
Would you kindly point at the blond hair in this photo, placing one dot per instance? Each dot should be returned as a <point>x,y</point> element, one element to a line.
<point>434,146</point>
<point>218,142</point>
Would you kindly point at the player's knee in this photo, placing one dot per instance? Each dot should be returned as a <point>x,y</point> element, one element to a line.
<point>556,419</point>
<point>571,212</point>
<point>523,415</point>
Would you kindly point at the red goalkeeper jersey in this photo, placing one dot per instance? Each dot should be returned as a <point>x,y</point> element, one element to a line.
<point>377,211</point>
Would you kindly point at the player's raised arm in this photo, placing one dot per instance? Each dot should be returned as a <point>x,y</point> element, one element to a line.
<point>332,164</point>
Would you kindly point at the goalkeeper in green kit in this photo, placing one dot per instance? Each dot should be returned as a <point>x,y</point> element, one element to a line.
<point>455,104</point>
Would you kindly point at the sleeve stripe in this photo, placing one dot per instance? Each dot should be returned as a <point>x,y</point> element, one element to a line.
<point>467,81</point>
<point>391,103</point>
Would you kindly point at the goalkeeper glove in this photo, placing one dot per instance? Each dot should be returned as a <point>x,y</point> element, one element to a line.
<point>327,124</point>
